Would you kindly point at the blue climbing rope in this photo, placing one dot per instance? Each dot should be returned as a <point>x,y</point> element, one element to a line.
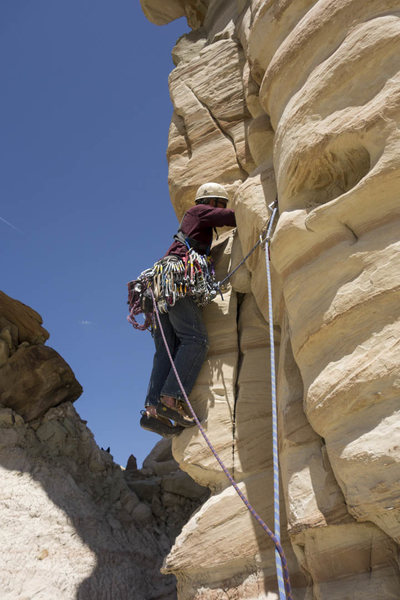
<point>284,586</point>
<point>277,521</point>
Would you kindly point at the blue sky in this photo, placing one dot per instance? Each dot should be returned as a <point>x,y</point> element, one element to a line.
<point>84,208</point>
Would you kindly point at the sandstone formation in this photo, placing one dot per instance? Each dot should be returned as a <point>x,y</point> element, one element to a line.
<point>36,378</point>
<point>297,99</point>
<point>20,323</point>
<point>160,12</point>
<point>73,523</point>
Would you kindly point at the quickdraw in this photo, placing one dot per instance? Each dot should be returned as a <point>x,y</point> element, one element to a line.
<point>170,279</point>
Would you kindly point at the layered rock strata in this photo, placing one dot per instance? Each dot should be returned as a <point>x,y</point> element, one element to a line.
<point>73,523</point>
<point>298,99</point>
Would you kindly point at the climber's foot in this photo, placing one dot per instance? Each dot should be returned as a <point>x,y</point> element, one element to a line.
<point>175,410</point>
<point>151,421</point>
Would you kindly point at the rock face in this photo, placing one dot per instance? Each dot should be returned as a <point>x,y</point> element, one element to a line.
<point>161,12</point>
<point>297,99</point>
<point>36,378</point>
<point>33,377</point>
<point>73,523</point>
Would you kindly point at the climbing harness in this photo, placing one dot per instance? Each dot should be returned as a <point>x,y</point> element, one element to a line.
<point>284,586</point>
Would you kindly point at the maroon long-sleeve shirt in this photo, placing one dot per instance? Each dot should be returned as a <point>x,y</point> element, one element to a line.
<point>198,223</point>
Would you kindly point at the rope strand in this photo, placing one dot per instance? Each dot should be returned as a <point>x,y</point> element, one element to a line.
<point>277,524</point>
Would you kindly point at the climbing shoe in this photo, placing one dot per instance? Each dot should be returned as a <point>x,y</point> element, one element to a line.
<point>175,410</point>
<point>159,425</point>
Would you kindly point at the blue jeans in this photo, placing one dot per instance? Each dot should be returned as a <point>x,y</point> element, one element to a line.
<point>188,342</point>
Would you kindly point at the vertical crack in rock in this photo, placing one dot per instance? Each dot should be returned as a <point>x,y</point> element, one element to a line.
<point>236,386</point>
<point>179,122</point>
<point>226,135</point>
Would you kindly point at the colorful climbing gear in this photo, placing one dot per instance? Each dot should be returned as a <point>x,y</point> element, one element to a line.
<point>170,279</point>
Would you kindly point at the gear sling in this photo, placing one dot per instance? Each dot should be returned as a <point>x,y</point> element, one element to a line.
<point>172,278</point>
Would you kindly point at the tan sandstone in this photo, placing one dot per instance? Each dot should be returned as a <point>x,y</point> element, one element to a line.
<point>295,99</point>
<point>298,99</point>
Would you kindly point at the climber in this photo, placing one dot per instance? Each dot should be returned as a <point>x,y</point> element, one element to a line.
<point>182,320</point>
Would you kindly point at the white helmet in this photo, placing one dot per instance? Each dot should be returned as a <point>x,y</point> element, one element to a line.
<point>211,190</point>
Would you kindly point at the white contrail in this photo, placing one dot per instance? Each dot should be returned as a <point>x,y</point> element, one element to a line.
<point>10,224</point>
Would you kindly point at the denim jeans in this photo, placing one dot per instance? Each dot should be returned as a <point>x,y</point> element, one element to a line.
<point>188,342</point>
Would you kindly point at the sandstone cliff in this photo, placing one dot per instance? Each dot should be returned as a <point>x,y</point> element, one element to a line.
<point>298,99</point>
<point>295,98</point>
<point>73,523</point>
